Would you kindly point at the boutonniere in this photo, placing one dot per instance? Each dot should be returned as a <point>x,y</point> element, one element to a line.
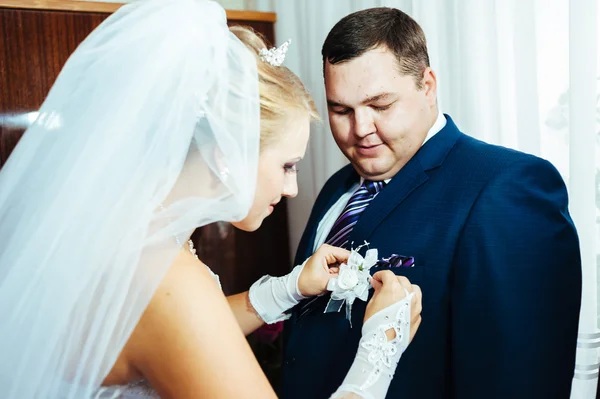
<point>353,281</point>
<point>354,278</point>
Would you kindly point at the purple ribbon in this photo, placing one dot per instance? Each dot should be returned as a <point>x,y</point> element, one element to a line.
<point>396,261</point>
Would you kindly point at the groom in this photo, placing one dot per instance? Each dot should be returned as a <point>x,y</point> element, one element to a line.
<point>496,253</point>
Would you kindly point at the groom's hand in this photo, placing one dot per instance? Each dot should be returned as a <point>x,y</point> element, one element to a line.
<point>319,268</point>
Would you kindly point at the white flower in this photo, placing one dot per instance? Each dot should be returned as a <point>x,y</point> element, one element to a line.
<point>347,278</point>
<point>353,281</point>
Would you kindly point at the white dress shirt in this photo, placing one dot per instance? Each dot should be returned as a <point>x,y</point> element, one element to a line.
<point>336,209</point>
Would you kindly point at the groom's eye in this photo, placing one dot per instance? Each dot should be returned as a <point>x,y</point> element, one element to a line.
<point>380,108</point>
<point>341,111</point>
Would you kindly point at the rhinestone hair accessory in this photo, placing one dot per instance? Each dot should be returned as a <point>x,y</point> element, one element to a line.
<point>275,55</point>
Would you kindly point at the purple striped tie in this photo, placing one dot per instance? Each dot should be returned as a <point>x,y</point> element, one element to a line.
<point>340,232</point>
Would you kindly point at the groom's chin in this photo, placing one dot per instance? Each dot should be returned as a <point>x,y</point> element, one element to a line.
<point>377,169</point>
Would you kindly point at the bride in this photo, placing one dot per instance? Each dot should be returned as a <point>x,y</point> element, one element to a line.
<point>163,120</point>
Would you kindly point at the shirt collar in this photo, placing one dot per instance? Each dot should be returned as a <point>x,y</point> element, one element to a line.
<point>439,124</point>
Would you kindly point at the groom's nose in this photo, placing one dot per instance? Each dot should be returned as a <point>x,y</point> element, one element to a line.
<point>363,122</point>
<point>290,186</point>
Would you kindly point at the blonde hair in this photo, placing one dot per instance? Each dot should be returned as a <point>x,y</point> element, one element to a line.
<point>282,94</point>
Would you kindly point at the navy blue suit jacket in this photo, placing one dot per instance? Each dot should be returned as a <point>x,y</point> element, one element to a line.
<point>497,258</point>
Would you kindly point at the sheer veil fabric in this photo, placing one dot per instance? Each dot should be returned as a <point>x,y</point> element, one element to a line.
<point>150,130</point>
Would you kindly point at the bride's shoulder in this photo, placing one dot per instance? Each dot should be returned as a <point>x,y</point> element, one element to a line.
<point>186,304</point>
<point>188,286</point>
<point>187,269</point>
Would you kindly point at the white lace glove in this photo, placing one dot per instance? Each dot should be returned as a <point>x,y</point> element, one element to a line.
<point>272,296</point>
<point>377,357</point>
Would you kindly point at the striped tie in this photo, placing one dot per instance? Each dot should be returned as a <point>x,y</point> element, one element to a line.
<point>340,232</point>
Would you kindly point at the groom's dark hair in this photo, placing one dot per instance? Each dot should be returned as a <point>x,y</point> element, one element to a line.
<point>364,30</point>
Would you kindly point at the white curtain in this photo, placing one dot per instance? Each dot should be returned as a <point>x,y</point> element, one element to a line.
<point>521,73</point>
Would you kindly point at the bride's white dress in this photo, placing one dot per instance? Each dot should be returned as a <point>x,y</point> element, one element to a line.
<point>134,390</point>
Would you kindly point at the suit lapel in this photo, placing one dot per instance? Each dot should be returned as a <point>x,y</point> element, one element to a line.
<point>410,177</point>
<point>405,182</point>
<point>346,180</point>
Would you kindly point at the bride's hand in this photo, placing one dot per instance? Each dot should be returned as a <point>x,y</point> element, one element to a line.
<point>390,289</point>
<point>319,268</point>
<point>387,312</point>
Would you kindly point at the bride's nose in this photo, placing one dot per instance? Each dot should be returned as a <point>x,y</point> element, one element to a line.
<point>290,186</point>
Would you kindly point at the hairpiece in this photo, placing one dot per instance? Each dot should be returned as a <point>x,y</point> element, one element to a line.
<point>275,55</point>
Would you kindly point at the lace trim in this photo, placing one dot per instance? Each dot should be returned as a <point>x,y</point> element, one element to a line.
<point>381,351</point>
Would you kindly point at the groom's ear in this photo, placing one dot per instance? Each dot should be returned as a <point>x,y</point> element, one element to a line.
<point>429,85</point>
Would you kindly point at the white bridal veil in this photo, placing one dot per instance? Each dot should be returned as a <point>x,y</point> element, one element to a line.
<point>151,130</point>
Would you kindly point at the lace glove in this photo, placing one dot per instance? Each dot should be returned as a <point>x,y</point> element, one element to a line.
<point>272,296</point>
<point>377,357</point>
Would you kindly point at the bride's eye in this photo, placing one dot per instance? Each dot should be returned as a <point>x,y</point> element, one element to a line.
<point>290,168</point>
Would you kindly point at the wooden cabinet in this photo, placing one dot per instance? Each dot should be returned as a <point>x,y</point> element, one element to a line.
<point>37,37</point>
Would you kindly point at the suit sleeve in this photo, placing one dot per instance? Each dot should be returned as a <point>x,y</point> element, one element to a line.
<point>516,289</point>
